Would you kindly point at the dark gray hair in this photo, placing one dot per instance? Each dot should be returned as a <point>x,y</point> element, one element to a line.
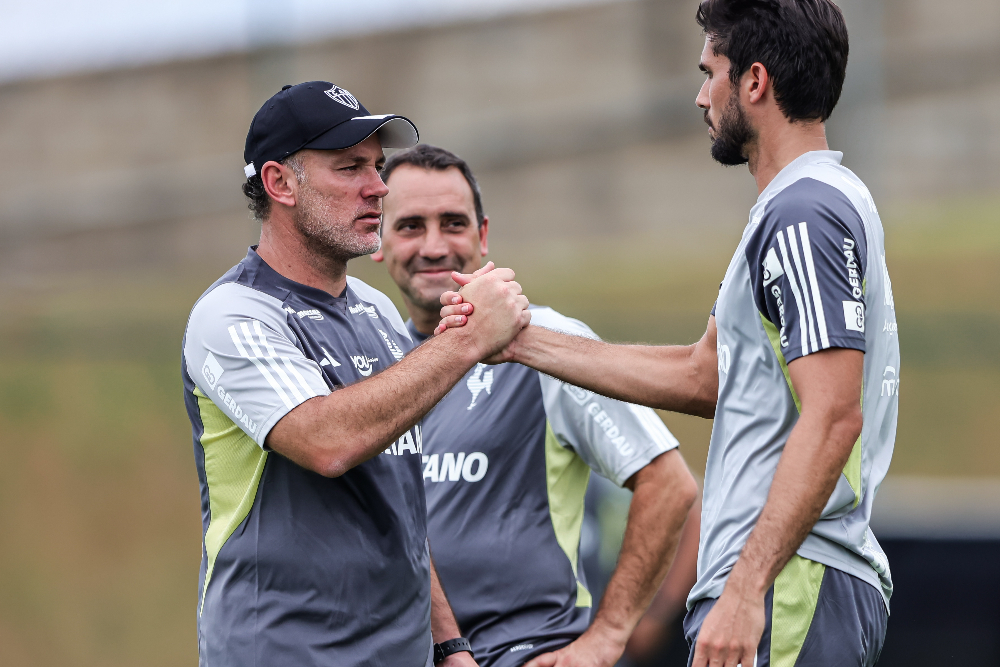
<point>426,156</point>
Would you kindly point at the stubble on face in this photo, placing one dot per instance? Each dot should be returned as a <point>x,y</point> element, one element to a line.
<point>424,292</point>
<point>732,134</point>
<point>329,230</point>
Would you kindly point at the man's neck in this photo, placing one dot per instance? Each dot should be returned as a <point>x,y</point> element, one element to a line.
<point>286,252</point>
<point>777,146</point>
<point>424,320</point>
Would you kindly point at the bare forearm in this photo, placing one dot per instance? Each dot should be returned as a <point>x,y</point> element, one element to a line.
<point>660,504</point>
<point>811,464</point>
<point>668,377</point>
<point>443,623</point>
<point>334,433</point>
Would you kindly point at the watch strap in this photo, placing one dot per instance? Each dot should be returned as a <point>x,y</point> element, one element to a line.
<point>446,648</point>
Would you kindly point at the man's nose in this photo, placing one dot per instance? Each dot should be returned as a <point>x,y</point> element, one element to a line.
<point>702,101</point>
<point>434,246</point>
<point>375,187</point>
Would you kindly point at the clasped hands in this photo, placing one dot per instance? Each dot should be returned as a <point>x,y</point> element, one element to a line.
<point>502,310</point>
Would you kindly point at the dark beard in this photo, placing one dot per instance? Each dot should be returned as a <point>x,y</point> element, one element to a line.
<point>732,135</point>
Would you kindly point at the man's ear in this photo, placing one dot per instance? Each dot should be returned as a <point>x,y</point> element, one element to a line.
<point>280,183</point>
<point>484,232</point>
<point>756,81</point>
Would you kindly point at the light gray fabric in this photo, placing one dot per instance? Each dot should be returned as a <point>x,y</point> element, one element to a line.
<point>614,438</point>
<point>242,354</point>
<point>756,410</point>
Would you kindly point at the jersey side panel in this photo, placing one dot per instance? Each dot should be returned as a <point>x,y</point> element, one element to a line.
<point>566,479</point>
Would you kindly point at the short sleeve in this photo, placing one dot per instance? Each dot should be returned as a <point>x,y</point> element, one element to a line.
<point>807,264</point>
<point>614,438</point>
<point>240,353</point>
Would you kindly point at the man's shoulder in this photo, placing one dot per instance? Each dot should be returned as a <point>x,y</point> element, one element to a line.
<point>550,318</point>
<point>815,196</point>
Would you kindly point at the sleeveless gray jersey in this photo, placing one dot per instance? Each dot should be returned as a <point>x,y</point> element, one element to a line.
<point>507,458</point>
<point>297,568</point>
<point>809,274</point>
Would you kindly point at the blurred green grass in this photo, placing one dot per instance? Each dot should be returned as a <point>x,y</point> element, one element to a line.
<point>99,513</point>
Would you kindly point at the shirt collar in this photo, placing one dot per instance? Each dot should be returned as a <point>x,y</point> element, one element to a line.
<point>806,159</point>
<point>265,276</point>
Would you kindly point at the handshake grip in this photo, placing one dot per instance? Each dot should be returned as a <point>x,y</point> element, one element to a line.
<point>489,306</point>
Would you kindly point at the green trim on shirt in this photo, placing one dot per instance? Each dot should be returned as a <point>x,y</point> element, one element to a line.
<point>566,479</point>
<point>233,467</point>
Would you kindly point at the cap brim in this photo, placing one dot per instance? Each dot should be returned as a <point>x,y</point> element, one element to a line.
<point>393,132</point>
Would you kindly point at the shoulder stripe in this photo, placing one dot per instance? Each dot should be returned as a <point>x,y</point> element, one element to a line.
<point>272,359</point>
<point>256,362</point>
<point>795,290</point>
<point>793,246</point>
<point>302,381</point>
<point>269,358</point>
<point>816,297</point>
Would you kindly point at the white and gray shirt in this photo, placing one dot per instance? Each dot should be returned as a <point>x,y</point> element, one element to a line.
<point>507,457</point>
<point>809,274</point>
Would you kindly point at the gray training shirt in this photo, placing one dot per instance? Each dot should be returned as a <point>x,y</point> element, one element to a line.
<point>297,568</point>
<point>808,275</point>
<point>507,458</point>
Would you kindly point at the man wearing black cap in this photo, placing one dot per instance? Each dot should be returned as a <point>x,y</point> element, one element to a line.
<point>306,432</point>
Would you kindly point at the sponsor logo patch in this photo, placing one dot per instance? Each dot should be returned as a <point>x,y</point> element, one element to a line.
<point>212,370</point>
<point>890,382</point>
<point>364,364</point>
<point>772,267</point>
<point>311,314</point>
<point>854,316</point>
<point>397,353</point>
<point>453,467</point>
<point>360,308</point>
<point>581,396</point>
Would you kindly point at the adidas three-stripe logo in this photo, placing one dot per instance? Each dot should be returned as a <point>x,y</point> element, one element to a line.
<point>301,391</point>
<point>807,296</point>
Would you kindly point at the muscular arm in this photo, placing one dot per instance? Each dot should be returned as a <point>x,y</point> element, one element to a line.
<point>332,434</point>
<point>672,377</point>
<point>828,384</point>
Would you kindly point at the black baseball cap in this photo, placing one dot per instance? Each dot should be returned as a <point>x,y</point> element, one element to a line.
<point>320,115</point>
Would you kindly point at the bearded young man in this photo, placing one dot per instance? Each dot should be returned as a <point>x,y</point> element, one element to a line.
<point>305,413</point>
<point>508,455</point>
<point>804,392</point>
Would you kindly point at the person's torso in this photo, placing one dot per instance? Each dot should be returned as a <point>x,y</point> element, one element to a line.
<point>310,569</point>
<point>757,411</point>
<point>504,502</point>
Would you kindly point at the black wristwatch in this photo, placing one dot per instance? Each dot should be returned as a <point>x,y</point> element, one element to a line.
<point>444,649</point>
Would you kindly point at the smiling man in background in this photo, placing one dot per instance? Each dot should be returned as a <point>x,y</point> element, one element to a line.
<point>508,455</point>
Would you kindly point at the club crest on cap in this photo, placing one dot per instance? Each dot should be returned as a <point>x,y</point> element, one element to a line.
<point>338,94</point>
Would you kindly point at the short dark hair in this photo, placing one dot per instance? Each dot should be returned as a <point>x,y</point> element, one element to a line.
<point>259,201</point>
<point>802,43</point>
<point>426,156</point>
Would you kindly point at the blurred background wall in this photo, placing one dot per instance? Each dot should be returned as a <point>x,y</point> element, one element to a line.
<point>120,204</point>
